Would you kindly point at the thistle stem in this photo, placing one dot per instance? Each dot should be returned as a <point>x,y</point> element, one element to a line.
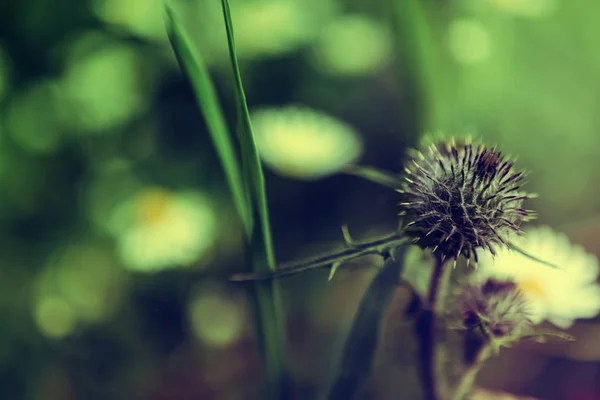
<point>426,331</point>
<point>465,385</point>
<point>374,175</point>
<point>381,246</point>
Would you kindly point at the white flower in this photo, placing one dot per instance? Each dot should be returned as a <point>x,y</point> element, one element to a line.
<point>559,295</point>
<point>160,229</point>
<point>303,143</point>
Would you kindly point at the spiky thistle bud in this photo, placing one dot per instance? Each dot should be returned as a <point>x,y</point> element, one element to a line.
<point>458,197</point>
<point>497,308</point>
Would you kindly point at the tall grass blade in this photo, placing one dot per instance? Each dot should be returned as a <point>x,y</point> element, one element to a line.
<point>417,39</point>
<point>249,196</point>
<point>193,66</point>
<point>269,313</point>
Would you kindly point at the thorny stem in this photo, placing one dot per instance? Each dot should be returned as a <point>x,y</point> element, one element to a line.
<point>426,331</point>
<point>374,175</point>
<point>381,246</point>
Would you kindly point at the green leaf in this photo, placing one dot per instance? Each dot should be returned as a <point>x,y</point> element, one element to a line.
<point>248,192</point>
<point>195,70</point>
<point>252,169</point>
<point>269,313</point>
<point>361,343</point>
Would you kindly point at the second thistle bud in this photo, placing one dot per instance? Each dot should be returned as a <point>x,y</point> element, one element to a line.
<point>495,307</point>
<point>457,198</point>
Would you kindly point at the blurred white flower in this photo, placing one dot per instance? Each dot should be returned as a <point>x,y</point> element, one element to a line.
<point>559,295</point>
<point>304,143</point>
<point>159,229</point>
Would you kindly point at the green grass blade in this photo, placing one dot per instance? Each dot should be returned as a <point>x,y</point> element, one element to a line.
<point>268,306</point>
<point>417,40</point>
<point>251,166</point>
<point>195,70</point>
<point>247,188</point>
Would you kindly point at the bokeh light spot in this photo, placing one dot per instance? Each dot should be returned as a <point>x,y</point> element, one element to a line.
<point>105,86</point>
<point>32,118</point>
<point>353,45</point>
<point>469,41</point>
<point>216,318</point>
<point>303,143</point>
<point>89,279</point>
<point>55,317</point>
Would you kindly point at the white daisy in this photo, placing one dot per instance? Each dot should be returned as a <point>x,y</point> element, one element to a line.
<point>559,295</point>
<point>303,143</point>
<point>162,229</point>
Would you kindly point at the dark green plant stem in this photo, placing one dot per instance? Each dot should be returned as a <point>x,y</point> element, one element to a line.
<point>361,343</point>
<point>267,297</point>
<point>426,332</point>
<point>378,246</point>
<point>467,380</point>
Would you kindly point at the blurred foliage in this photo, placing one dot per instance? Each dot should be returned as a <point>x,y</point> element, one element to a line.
<point>117,228</point>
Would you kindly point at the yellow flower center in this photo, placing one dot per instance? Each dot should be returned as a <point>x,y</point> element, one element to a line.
<point>151,205</point>
<point>533,286</point>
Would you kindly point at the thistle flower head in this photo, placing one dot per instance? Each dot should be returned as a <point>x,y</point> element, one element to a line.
<point>458,197</point>
<point>497,307</point>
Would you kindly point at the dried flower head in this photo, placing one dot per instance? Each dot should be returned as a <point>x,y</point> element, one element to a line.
<point>458,197</point>
<point>496,307</point>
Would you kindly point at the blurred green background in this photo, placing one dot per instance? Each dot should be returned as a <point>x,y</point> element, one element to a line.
<point>117,230</point>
